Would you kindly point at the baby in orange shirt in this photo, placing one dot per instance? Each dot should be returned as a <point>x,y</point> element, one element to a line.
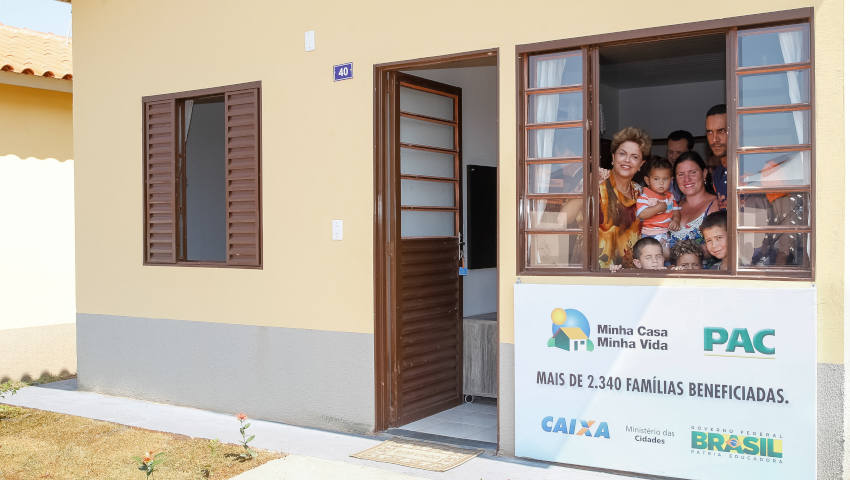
<point>656,207</point>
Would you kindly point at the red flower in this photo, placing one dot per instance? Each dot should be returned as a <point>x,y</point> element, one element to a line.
<point>241,417</point>
<point>148,457</point>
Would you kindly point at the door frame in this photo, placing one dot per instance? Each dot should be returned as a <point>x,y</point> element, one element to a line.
<point>385,223</point>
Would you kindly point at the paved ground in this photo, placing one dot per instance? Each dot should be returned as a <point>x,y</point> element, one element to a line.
<point>314,454</point>
<point>299,466</point>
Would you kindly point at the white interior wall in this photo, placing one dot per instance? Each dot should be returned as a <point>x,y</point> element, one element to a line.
<point>480,147</point>
<point>662,109</point>
<point>205,193</point>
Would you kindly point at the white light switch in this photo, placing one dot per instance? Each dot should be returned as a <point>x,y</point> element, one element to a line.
<point>309,40</point>
<point>336,227</point>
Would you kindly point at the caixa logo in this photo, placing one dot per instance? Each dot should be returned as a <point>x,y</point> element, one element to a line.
<point>575,426</point>
<point>738,341</point>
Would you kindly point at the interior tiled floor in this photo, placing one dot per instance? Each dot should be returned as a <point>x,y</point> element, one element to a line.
<point>469,421</point>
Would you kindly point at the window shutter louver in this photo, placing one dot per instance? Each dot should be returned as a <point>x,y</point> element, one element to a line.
<point>160,160</point>
<point>242,177</point>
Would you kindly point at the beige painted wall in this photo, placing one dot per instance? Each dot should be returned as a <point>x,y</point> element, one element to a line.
<point>37,304</point>
<point>35,122</point>
<point>317,142</point>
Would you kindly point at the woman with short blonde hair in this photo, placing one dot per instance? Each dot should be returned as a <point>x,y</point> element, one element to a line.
<point>619,227</point>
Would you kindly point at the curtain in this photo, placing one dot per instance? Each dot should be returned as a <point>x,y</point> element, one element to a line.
<point>791,44</point>
<point>188,105</point>
<point>549,74</point>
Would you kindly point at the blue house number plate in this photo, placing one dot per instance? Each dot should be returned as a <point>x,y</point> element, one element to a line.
<point>343,72</point>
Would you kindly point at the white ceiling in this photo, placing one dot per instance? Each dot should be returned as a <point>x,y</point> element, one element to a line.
<point>665,62</point>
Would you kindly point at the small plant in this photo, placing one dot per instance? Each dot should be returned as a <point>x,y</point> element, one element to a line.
<point>249,453</point>
<point>148,462</point>
<point>10,388</point>
<point>207,470</point>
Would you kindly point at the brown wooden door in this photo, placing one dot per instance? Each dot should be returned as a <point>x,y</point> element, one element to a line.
<point>427,336</point>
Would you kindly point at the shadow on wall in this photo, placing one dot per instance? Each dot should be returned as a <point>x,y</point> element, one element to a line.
<point>8,156</point>
<point>37,153</point>
<point>45,377</point>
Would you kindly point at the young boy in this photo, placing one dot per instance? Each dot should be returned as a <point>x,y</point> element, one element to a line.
<point>686,255</point>
<point>656,208</point>
<point>713,230</point>
<point>648,254</point>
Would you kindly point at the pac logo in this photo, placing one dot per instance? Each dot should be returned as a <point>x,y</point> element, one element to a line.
<point>728,443</point>
<point>575,426</point>
<point>738,338</point>
<point>570,330</point>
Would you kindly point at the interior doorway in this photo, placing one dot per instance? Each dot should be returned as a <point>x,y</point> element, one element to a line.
<point>436,279</point>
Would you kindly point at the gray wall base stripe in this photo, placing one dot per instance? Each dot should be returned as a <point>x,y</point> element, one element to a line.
<point>302,377</point>
<point>305,377</point>
<point>506,399</point>
<point>830,421</point>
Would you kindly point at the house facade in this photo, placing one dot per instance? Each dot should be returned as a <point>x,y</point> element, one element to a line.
<point>273,203</point>
<point>37,314</point>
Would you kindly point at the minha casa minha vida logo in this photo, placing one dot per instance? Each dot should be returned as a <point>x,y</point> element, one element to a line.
<point>571,332</point>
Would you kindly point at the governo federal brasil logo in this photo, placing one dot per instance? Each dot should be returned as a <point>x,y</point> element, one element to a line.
<point>746,443</point>
<point>570,330</point>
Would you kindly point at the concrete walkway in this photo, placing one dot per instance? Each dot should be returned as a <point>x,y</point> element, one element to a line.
<point>314,454</point>
<point>299,466</point>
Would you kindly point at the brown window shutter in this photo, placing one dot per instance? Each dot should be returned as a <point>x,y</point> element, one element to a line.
<point>242,126</point>
<point>160,160</point>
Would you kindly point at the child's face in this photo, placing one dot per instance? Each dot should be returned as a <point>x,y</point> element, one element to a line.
<point>651,258</point>
<point>658,180</point>
<point>689,261</point>
<point>715,241</point>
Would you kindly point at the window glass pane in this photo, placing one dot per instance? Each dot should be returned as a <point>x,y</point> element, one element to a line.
<point>555,142</point>
<point>416,223</point>
<point>773,249</point>
<point>562,250</point>
<point>426,103</point>
<point>556,178</point>
<point>555,70</point>
<point>777,128</point>
<point>432,164</point>
<point>777,88</point>
<point>555,107</point>
<point>774,209</point>
<point>555,213</point>
<point>424,193</point>
<point>775,169</point>
<point>420,132</point>
<point>774,45</point>
<point>206,224</point>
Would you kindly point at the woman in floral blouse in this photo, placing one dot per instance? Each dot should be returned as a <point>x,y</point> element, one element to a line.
<point>619,227</point>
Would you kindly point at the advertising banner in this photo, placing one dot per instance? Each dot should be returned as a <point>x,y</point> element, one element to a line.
<point>696,383</point>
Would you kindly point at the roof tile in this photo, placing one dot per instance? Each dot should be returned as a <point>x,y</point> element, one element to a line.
<point>34,53</point>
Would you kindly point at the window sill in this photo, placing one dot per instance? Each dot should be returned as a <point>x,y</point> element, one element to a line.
<point>783,275</point>
<point>203,265</point>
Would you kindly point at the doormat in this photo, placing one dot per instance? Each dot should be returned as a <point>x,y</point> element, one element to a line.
<point>416,454</point>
